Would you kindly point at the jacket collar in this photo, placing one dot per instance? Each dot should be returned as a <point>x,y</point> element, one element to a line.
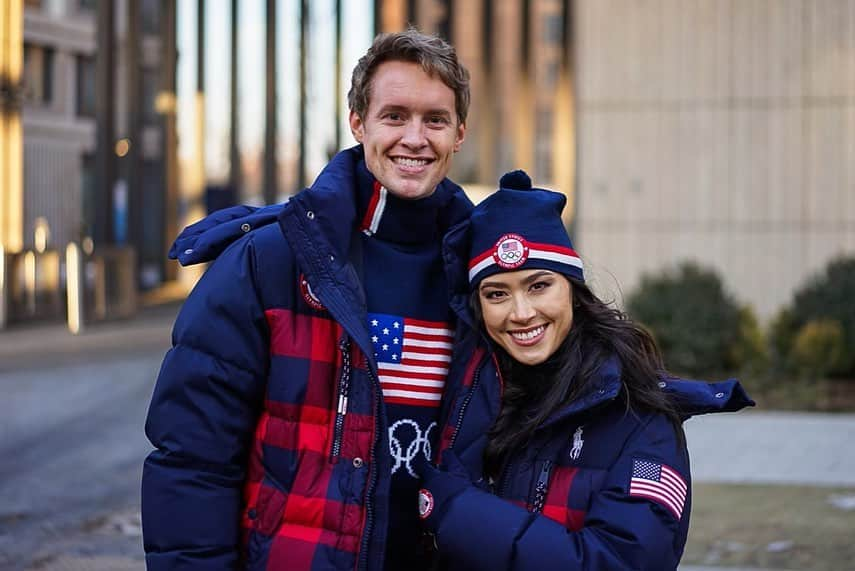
<point>321,222</point>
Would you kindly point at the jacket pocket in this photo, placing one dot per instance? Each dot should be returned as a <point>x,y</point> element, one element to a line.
<point>266,516</point>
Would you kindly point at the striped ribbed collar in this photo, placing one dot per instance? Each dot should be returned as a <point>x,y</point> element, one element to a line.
<point>392,219</point>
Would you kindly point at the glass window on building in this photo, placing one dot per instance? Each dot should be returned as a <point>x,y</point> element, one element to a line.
<point>150,87</point>
<point>86,86</point>
<point>553,29</point>
<point>150,15</point>
<point>91,5</point>
<point>38,74</point>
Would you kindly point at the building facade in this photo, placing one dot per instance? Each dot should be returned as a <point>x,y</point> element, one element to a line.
<point>64,96</point>
<point>719,131</point>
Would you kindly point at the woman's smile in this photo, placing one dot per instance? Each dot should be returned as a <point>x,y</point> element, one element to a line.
<point>528,337</point>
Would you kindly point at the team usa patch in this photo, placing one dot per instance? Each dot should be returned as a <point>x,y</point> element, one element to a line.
<point>309,296</point>
<point>425,503</point>
<point>511,251</point>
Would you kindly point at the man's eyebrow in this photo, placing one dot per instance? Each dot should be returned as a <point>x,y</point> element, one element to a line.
<point>391,107</point>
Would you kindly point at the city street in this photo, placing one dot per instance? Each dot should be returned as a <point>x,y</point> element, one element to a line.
<point>71,436</point>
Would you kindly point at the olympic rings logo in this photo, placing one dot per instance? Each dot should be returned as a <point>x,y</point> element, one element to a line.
<point>510,257</point>
<point>406,444</point>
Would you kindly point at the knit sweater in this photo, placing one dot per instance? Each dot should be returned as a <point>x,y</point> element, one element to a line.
<point>410,324</point>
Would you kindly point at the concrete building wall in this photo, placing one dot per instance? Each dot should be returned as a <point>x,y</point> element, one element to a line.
<point>716,130</point>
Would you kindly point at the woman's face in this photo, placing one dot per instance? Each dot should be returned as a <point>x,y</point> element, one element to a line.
<point>528,312</point>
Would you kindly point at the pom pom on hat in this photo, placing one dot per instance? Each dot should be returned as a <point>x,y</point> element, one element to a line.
<point>517,180</point>
<point>519,227</point>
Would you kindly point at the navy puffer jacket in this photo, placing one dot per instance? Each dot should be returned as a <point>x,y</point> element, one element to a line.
<point>258,463</point>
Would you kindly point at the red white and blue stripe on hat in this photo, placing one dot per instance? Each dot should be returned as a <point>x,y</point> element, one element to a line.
<point>512,252</point>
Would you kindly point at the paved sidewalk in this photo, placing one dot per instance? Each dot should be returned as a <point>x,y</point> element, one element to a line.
<point>758,447</point>
<point>44,345</point>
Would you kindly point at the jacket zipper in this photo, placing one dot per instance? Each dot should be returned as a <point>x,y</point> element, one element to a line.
<point>541,487</point>
<point>341,408</point>
<point>369,506</point>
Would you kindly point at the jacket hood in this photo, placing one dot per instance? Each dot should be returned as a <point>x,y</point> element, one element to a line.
<point>691,397</point>
<point>207,238</point>
<point>694,398</point>
<point>455,252</point>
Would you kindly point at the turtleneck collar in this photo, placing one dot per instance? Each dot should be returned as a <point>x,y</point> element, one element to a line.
<point>394,219</point>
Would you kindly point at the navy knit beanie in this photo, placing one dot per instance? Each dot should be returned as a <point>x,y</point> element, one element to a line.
<point>520,228</point>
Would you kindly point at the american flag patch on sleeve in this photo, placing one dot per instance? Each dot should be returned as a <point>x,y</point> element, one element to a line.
<point>659,483</point>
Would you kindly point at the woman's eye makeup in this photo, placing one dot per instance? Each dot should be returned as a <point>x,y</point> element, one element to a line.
<point>492,294</point>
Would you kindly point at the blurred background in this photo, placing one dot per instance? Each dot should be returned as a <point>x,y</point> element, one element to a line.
<point>707,149</point>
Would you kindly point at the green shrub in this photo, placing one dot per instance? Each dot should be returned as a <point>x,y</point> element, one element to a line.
<point>782,334</point>
<point>830,295</point>
<point>751,352</point>
<point>697,324</point>
<point>818,348</point>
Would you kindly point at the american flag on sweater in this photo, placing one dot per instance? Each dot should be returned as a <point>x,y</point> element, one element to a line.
<point>659,483</point>
<point>412,358</point>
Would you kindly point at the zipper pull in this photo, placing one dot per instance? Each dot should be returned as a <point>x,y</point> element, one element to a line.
<point>343,392</point>
<point>541,487</point>
<point>345,381</point>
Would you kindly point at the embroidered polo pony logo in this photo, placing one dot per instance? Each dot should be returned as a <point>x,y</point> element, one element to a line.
<point>576,449</point>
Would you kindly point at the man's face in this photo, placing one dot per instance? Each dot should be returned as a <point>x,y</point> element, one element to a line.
<point>410,131</point>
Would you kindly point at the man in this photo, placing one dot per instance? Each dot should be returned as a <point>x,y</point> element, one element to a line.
<point>302,390</point>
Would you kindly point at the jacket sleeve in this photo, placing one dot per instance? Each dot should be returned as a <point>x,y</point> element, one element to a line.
<point>479,531</point>
<point>201,420</point>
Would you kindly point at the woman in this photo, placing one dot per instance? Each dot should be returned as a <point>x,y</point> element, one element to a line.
<point>567,450</point>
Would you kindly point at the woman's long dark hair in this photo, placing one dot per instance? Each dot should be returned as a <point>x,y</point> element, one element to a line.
<point>533,393</point>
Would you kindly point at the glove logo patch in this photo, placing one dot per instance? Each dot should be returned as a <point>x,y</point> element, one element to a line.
<point>425,503</point>
<point>309,296</point>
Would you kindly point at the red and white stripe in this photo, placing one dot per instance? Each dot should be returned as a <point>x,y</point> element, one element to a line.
<point>419,377</point>
<point>549,252</point>
<point>376,207</point>
<point>670,491</point>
